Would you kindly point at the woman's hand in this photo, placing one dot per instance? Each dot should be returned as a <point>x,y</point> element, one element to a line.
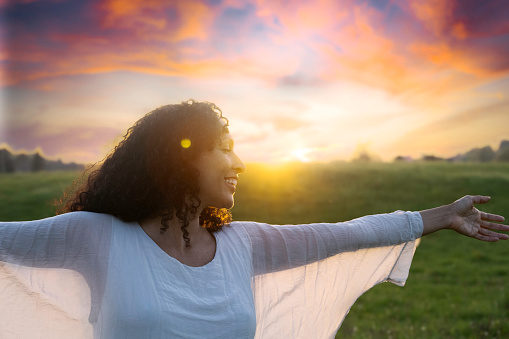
<point>469,221</point>
<point>465,219</point>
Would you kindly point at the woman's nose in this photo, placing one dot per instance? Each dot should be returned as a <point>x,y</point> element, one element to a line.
<point>238,165</point>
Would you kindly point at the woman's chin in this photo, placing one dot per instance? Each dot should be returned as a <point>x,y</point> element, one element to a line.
<point>226,205</point>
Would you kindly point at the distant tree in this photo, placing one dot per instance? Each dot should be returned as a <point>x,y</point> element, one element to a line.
<point>504,145</point>
<point>485,154</point>
<point>503,151</point>
<point>431,158</point>
<point>362,153</point>
<point>401,158</point>
<point>38,163</point>
<point>32,163</point>
<point>22,163</point>
<point>363,157</point>
<point>6,163</point>
<point>503,156</point>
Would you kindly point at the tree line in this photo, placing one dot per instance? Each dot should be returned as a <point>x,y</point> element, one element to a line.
<point>10,163</point>
<point>483,154</point>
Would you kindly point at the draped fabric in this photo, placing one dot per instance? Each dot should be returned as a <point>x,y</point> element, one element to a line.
<point>88,275</point>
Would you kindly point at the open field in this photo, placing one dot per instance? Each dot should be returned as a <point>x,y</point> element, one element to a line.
<point>28,196</point>
<point>458,287</point>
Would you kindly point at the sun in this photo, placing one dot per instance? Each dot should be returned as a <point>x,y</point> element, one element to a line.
<point>301,154</point>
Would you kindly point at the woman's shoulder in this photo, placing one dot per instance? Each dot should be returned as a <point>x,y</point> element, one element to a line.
<point>69,217</point>
<point>237,230</point>
<point>250,229</point>
<point>243,226</point>
<point>75,219</point>
<point>84,215</point>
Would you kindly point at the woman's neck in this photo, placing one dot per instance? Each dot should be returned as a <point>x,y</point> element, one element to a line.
<point>203,244</point>
<point>173,237</point>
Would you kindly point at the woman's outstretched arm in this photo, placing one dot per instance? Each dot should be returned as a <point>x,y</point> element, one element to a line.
<point>465,219</point>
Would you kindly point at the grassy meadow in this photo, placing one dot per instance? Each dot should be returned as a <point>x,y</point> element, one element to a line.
<point>458,287</point>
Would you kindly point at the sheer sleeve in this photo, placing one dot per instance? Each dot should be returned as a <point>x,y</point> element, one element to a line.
<point>52,275</point>
<point>72,240</point>
<point>306,277</point>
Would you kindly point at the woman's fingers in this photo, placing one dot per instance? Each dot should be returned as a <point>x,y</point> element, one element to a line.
<point>491,217</point>
<point>491,233</point>
<point>491,236</point>
<point>480,199</point>
<point>482,237</point>
<point>493,226</point>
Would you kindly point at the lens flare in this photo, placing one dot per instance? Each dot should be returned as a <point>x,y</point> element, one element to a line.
<point>186,143</point>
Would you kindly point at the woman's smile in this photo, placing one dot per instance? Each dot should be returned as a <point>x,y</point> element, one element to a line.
<point>231,182</point>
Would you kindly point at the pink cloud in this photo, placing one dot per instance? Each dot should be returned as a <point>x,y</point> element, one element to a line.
<point>434,14</point>
<point>470,37</point>
<point>135,36</point>
<point>148,19</point>
<point>78,143</point>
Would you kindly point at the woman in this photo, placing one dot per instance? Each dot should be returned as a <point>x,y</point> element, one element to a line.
<point>152,239</point>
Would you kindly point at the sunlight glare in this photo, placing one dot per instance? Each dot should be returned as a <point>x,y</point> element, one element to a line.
<point>301,154</point>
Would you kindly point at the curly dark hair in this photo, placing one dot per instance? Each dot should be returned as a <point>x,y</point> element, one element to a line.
<point>150,172</point>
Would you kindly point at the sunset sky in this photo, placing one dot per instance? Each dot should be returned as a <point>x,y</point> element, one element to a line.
<point>298,80</point>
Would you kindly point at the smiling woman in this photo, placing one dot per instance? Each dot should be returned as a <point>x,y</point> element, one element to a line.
<point>148,248</point>
<point>157,171</point>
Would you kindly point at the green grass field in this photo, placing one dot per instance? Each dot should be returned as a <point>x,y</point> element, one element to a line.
<point>458,287</point>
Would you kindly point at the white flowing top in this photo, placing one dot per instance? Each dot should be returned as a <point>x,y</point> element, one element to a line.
<point>84,275</point>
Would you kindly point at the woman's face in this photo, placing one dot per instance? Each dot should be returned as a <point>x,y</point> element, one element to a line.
<point>219,169</point>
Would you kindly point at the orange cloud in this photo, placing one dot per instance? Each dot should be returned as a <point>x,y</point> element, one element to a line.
<point>142,46</point>
<point>446,56</point>
<point>130,14</point>
<point>459,31</point>
<point>367,56</point>
<point>434,14</point>
<point>307,18</point>
<point>467,36</point>
<point>148,19</point>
